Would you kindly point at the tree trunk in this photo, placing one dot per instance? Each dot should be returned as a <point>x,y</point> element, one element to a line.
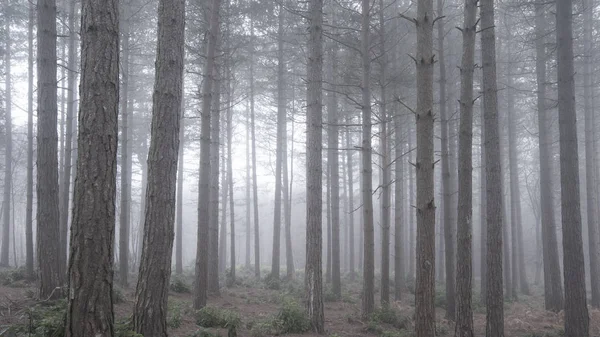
<point>248,188</point>
<point>385,167</point>
<point>253,135</point>
<point>464,256</point>
<point>553,292</point>
<point>287,198</point>
<point>368,301</point>
<point>230,159</point>
<point>4,261</point>
<point>125,210</point>
<point>425,206</point>
<point>576,312</point>
<point>280,156</point>
<point>314,170</point>
<point>151,294</point>
<point>411,215</point>
<point>328,220</point>
<point>494,299</point>
<point>29,206</point>
<point>224,197</point>
<point>48,250</point>
<point>201,278</point>
<point>334,170</point>
<point>591,160</point>
<point>399,196</point>
<point>483,211</point>
<point>179,210</point>
<point>213,212</point>
<point>142,158</point>
<point>90,311</point>
<point>350,163</point>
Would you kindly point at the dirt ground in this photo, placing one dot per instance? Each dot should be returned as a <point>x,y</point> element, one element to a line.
<point>524,318</point>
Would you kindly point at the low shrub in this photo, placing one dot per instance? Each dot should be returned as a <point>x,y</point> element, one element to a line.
<point>293,318</point>
<point>391,317</point>
<point>212,317</point>
<point>179,286</point>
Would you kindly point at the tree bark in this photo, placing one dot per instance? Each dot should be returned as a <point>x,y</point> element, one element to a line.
<point>411,215</point>
<point>576,312</point>
<point>287,197</point>
<point>483,211</point>
<point>90,310</point>
<point>125,210</point>
<point>494,209</point>
<point>464,257</point>
<point>48,250</point>
<point>201,278</point>
<point>213,212</point>
<point>447,189</point>
<point>553,292</point>
<point>179,210</point>
<point>248,186</point>
<point>399,200</point>
<point>151,294</point>
<point>425,206</point>
<point>368,301</point>
<point>590,159</point>
<point>350,163</point>
<point>314,122</point>
<point>334,171</point>
<point>385,167</point>
<point>253,135</point>
<point>4,261</point>
<point>29,205</point>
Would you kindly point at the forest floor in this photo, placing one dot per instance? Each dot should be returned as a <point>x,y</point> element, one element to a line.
<point>259,311</point>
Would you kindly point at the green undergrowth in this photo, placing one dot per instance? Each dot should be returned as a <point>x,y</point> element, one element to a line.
<point>291,318</point>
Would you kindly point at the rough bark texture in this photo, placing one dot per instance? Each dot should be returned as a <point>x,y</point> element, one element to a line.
<point>179,214</point>
<point>213,211</point>
<point>425,206</point>
<point>201,278</point>
<point>6,201</point>
<point>151,294</point>
<point>494,295</point>
<point>230,173</point>
<point>349,161</point>
<point>385,166</point>
<point>48,250</point>
<point>553,292</point>
<point>368,296</point>
<point>314,168</point>
<point>125,210</point>
<point>483,212</point>
<point>334,170</point>
<point>90,311</point>
<point>280,157</point>
<point>576,312</point>
<point>411,214</point>
<point>447,189</point>
<point>287,200</point>
<point>248,207</point>
<point>464,257</point>
<point>254,183</point>
<point>29,188</point>
<point>399,200</point>
<point>590,159</point>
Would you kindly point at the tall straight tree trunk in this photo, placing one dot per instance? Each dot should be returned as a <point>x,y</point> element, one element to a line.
<point>368,296</point>
<point>90,308</point>
<point>553,291</point>
<point>8,146</point>
<point>425,206</point>
<point>142,159</point>
<point>213,211</point>
<point>280,156</point>
<point>179,210</point>
<point>48,227</point>
<point>385,168</point>
<point>576,312</point>
<point>350,163</point>
<point>590,159</point>
<point>328,220</point>
<point>399,196</point>
<point>287,200</point>
<point>411,215</point>
<point>314,168</point>
<point>519,278</point>
<point>334,170</point>
<point>201,278</point>
<point>125,210</point>
<point>229,155</point>
<point>29,187</point>
<point>483,210</point>
<point>253,135</point>
<point>446,174</point>
<point>151,294</point>
<point>224,197</point>
<point>248,188</point>
<point>494,291</point>
<point>464,256</point>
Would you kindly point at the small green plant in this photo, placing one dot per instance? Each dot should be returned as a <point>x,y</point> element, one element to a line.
<point>14,277</point>
<point>118,295</point>
<point>212,317</point>
<point>123,328</point>
<point>272,281</point>
<point>329,296</point>
<point>293,318</point>
<point>174,315</point>
<point>391,317</point>
<point>46,320</point>
<point>179,286</point>
<point>440,298</point>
